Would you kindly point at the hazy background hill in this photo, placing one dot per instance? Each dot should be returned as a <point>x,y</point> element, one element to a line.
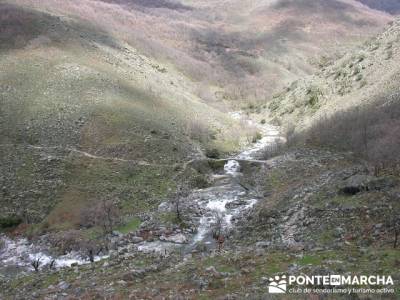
<point>390,6</point>
<point>235,50</point>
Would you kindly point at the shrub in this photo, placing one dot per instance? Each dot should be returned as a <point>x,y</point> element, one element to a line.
<point>212,153</point>
<point>256,137</point>
<point>9,222</point>
<point>104,214</point>
<point>370,132</point>
<point>198,131</point>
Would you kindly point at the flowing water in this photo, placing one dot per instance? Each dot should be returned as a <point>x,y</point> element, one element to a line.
<point>219,205</point>
<point>225,200</point>
<point>17,255</point>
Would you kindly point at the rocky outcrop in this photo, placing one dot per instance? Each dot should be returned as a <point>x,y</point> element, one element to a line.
<point>359,183</point>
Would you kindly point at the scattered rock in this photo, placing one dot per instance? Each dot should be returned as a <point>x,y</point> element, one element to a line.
<point>263,244</point>
<point>235,204</point>
<point>132,275</point>
<point>164,207</point>
<point>63,285</point>
<point>136,239</point>
<point>122,282</point>
<point>177,238</point>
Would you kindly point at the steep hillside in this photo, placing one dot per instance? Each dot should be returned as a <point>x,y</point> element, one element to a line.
<point>237,50</point>
<point>366,75</point>
<point>99,85</point>
<point>124,176</point>
<point>84,117</point>
<point>390,6</point>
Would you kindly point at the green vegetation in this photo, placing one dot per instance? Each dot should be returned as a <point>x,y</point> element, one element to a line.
<point>9,222</point>
<point>212,153</point>
<point>309,260</point>
<point>129,226</point>
<point>313,95</point>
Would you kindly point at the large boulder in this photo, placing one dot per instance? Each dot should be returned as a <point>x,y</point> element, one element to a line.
<point>359,183</point>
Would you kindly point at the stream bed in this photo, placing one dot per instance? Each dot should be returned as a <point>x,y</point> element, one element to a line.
<point>218,205</point>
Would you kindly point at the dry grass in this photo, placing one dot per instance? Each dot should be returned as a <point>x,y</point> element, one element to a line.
<point>370,132</point>
<point>249,49</point>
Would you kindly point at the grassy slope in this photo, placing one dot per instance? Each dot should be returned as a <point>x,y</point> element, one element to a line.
<point>362,76</point>
<point>390,6</point>
<point>243,50</point>
<point>339,233</point>
<point>268,44</point>
<point>67,86</point>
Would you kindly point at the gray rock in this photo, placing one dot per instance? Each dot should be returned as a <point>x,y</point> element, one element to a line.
<point>164,207</point>
<point>122,282</point>
<point>176,238</point>
<point>235,204</point>
<point>136,239</point>
<point>263,244</point>
<point>356,184</point>
<point>63,285</point>
<point>359,183</point>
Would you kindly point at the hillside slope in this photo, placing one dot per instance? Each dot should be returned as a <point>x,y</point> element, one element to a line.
<point>238,51</point>
<point>366,75</point>
<point>98,105</point>
<point>89,87</point>
<point>390,6</point>
<point>85,117</point>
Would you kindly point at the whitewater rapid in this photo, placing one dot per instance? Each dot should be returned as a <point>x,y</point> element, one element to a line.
<point>18,254</point>
<point>221,203</point>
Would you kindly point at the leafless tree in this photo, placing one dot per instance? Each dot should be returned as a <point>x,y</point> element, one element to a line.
<point>52,264</point>
<point>198,130</point>
<point>217,229</point>
<point>181,193</point>
<point>290,134</point>
<point>108,216</point>
<point>370,132</point>
<point>396,230</point>
<point>104,214</point>
<point>36,264</point>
